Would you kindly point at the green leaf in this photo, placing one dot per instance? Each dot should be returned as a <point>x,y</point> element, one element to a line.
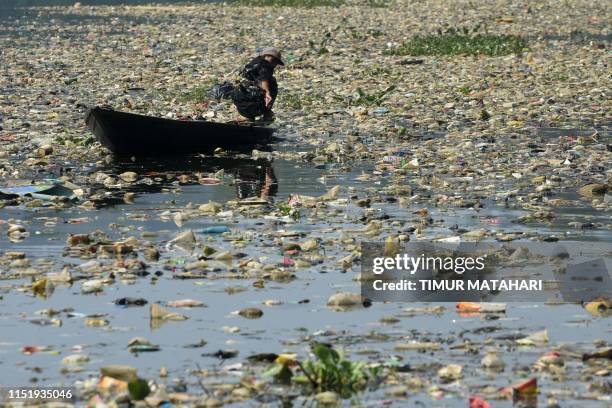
<point>300,379</point>
<point>327,355</point>
<point>139,389</point>
<point>273,370</point>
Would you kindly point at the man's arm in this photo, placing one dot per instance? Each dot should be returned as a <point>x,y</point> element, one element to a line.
<point>265,85</point>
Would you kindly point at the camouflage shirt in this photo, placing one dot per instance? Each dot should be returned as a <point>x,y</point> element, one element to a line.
<point>258,70</point>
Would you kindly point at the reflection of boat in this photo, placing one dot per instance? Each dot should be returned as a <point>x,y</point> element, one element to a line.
<point>128,133</point>
<point>253,177</point>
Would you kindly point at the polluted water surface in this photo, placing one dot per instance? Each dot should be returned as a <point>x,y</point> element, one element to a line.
<point>210,277</point>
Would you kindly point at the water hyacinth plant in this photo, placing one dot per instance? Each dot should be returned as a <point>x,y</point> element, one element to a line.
<point>463,41</point>
<point>289,3</point>
<point>331,371</point>
<point>371,99</point>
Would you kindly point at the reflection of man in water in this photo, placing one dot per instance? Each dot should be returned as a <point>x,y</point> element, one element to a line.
<point>256,181</point>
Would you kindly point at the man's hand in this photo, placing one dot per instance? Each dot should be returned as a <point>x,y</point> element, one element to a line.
<point>268,99</point>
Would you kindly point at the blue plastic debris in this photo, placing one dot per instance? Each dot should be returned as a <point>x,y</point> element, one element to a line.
<point>381,111</point>
<point>46,190</point>
<point>217,229</point>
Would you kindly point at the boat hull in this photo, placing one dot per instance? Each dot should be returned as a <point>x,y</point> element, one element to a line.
<point>126,133</point>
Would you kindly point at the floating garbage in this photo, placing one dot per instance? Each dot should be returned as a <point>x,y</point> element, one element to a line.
<point>492,361</point>
<point>129,301</point>
<point>223,354</point>
<point>347,301</point>
<point>48,190</point>
<point>17,233</point>
<point>551,363</point>
<point>450,373</point>
<point>477,402</point>
<point>418,346</point>
<point>75,360</point>
<point>536,339</point>
<point>159,315</point>
<point>376,143</point>
<point>251,313</point>
<point>216,229</point>
<point>119,372</point>
<point>599,307</point>
<point>471,307</point>
<point>522,391</point>
<point>34,349</point>
<point>185,240</point>
<point>185,303</point>
<point>92,286</point>
<point>143,348</point>
<point>210,208</point>
<point>605,353</point>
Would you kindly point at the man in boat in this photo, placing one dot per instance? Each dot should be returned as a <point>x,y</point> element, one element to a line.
<point>256,92</point>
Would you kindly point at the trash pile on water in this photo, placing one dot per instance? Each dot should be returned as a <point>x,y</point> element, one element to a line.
<point>220,300</point>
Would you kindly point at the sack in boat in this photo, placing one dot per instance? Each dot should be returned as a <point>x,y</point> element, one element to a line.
<point>247,96</point>
<point>224,90</point>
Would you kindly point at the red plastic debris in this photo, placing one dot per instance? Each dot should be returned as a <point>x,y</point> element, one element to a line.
<point>31,349</point>
<point>524,390</point>
<point>477,402</point>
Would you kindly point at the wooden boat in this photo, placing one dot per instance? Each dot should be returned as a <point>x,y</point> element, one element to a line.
<point>129,133</point>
